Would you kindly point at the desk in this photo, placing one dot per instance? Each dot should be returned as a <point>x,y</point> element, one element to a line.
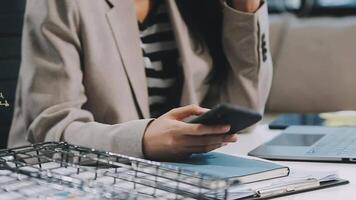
<point>261,134</point>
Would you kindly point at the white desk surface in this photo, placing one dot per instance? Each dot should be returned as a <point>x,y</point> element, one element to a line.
<point>261,134</point>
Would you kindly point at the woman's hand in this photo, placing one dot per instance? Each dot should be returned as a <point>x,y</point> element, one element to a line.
<point>246,5</point>
<point>169,138</point>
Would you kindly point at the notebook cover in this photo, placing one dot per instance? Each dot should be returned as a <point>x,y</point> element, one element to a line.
<point>224,166</point>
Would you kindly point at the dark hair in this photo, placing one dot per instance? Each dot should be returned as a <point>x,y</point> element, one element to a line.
<point>204,20</point>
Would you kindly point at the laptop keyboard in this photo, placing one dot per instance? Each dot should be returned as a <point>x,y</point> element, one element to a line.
<point>343,145</point>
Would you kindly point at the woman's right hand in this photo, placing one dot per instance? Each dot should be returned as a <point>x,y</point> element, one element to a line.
<point>169,138</point>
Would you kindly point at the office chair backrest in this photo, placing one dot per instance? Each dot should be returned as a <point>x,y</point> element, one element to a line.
<point>11,20</point>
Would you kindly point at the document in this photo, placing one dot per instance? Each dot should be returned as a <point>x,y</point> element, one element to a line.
<point>297,180</point>
<point>340,118</point>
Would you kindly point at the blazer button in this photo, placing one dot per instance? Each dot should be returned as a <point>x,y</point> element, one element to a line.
<point>264,47</point>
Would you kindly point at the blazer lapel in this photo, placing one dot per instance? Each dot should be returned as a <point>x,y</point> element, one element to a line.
<point>123,23</point>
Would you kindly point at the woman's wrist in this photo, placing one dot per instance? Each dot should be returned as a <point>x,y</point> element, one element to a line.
<point>245,5</point>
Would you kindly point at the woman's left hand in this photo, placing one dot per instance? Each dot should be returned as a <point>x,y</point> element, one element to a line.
<point>246,5</point>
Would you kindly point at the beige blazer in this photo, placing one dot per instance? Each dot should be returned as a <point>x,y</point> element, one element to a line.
<point>82,77</point>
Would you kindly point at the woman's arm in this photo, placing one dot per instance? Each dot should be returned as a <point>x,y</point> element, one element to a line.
<point>245,5</point>
<point>51,95</point>
<point>246,46</point>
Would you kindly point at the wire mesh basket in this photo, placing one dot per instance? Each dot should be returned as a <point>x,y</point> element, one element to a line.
<point>62,171</point>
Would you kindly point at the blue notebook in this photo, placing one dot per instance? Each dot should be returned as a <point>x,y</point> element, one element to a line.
<point>225,166</point>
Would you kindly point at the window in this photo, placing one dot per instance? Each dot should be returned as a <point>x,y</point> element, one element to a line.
<point>314,7</point>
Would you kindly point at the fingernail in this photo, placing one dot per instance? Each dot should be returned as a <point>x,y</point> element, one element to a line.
<point>231,138</point>
<point>226,128</point>
<point>234,137</point>
<point>205,109</point>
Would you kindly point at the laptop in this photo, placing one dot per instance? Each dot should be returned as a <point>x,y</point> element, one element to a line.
<point>311,143</point>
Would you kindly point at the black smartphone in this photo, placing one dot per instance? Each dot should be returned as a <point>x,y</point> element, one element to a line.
<point>295,119</point>
<point>237,117</point>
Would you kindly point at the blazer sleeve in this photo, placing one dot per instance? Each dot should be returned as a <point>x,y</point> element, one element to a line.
<point>246,46</point>
<point>51,93</point>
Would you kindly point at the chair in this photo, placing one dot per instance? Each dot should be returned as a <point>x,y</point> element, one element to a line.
<point>11,20</point>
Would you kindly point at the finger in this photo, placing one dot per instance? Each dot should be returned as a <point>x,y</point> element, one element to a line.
<point>186,111</point>
<point>200,129</point>
<point>191,141</point>
<point>231,138</point>
<point>203,149</point>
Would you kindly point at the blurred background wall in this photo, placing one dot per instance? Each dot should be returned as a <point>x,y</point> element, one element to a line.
<point>313,43</point>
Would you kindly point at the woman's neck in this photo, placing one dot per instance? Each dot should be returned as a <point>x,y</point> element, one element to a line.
<point>143,8</point>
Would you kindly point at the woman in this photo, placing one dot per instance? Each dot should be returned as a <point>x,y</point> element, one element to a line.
<point>117,75</point>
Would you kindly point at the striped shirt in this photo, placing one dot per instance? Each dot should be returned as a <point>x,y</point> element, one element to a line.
<point>164,74</point>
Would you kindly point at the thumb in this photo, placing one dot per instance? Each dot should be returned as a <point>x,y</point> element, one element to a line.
<point>186,111</point>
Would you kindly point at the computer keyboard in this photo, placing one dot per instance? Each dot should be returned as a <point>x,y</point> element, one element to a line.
<point>343,145</point>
